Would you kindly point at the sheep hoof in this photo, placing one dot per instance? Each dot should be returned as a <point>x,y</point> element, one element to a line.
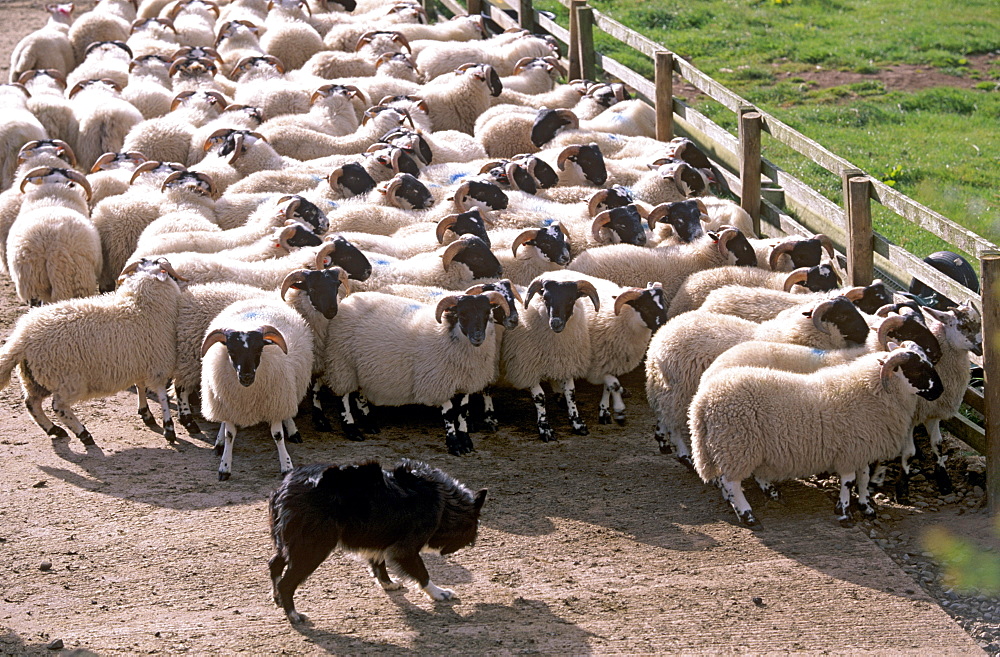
<point>371,429</point>
<point>147,418</point>
<point>190,426</point>
<point>321,423</point>
<point>86,438</point>
<point>664,447</point>
<point>170,435</point>
<point>580,429</point>
<point>57,432</point>
<point>353,434</point>
<point>545,434</point>
<point>604,416</point>
<point>686,461</point>
<point>845,521</point>
<point>942,480</point>
<point>224,476</point>
<point>903,490</point>
<point>459,444</point>
<point>295,438</point>
<point>748,519</point>
<point>620,419</point>
<point>867,511</point>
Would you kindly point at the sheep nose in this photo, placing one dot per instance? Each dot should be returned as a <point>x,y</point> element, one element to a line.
<point>246,379</point>
<point>477,339</point>
<point>640,239</point>
<point>557,324</point>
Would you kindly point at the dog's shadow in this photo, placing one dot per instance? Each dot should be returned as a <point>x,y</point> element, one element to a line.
<point>521,626</point>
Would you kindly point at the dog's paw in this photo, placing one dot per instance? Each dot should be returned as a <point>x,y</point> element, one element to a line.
<point>392,586</point>
<point>295,618</point>
<point>437,593</point>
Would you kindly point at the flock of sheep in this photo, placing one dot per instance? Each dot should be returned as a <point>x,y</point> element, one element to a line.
<point>277,197</point>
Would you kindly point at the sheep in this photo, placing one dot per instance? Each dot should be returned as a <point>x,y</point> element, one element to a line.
<point>111,174</point>
<point>453,267</point>
<point>330,112</point>
<point>194,21</point>
<point>245,383</point>
<point>53,250</point>
<point>458,28</point>
<point>344,36</point>
<point>104,60</point>
<point>793,252</point>
<point>696,287</point>
<point>50,106</point>
<point>421,237</point>
<point>532,353</point>
<point>168,138</point>
<point>152,36</point>
<point>361,61</point>
<point>779,425</point>
<point>288,34</point>
<point>234,117</point>
<point>18,128</point>
<point>149,89</point>
<point>313,293</point>
<point>634,266</point>
<point>98,346</point>
<point>197,74</point>
<point>684,348</point>
<point>761,304</point>
<point>544,250</point>
<point>454,103</point>
<point>236,40</point>
<point>109,20</point>
<point>260,82</point>
<point>396,351</point>
<point>48,47</point>
<point>187,204</point>
<point>435,58</point>
<point>104,118</point>
<point>620,331</point>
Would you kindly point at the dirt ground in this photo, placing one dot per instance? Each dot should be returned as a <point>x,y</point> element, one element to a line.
<point>595,544</point>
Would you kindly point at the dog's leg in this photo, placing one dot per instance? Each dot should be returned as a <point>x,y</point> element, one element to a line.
<point>276,565</point>
<point>382,575</point>
<point>301,564</point>
<point>284,460</point>
<point>413,566</point>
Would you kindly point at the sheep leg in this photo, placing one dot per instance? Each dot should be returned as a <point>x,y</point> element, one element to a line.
<point>65,413</point>
<point>660,436</point>
<point>319,419</point>
<point>538,397</point>
<point>613,387</point>
<point>168,422</point>
<point>768,488</point>
<point>348,422</point>
<point>228,433</point>
<point>676,444</point>
<point>940,472</point>
<point>878,471</point>
<point>147,415</point>
<point>456,433</point>
<point>490,422</point>
<point>732,492</point>
<point>220,440</point>
<point>184,414</point>
<point>368,424</point>
<point>604,407</point>
<point>843,508</point>
<point>382,576</point>
<point>34,404</point>
<point>569,393</point>
<point>864,499</point>
<point>291,431</point>
<point>278,434</point>
<point>903,483</point>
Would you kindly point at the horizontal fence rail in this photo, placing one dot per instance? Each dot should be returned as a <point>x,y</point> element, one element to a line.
<point>770,194</point>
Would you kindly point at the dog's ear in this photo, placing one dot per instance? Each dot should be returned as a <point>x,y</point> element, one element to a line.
<point>480,499</point>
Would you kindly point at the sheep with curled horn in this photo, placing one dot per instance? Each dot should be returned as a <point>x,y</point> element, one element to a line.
<point>289,34</point>
<point>50,106</point>
<point>53,249</point>
<point>153,36</point>
<point>168,138</point>
<point>455,266</point>
<point>527,254</point>
<point>331,112</point>
<point>48,47</point>
<point>104,117</point>
<point>422,237</point>
<point>330,64</point>
<point>97,346</point>
<point>397,351</point>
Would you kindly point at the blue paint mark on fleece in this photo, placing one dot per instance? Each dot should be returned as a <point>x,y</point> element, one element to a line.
<point>380,262</point>
<point>455,177</point>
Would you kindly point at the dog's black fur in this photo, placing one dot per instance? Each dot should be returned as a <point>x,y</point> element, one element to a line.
<point>383,515</point>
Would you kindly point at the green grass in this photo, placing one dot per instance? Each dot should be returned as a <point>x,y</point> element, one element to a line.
<point>940,146</point>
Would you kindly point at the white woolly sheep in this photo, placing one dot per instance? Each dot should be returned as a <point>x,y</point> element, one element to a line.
<point>421,237</point>
<point>246,383</point>
<point>779,425</point>
<point>397,351</point>
<point>111,174</point>
<point>152,36</point>
<point>149,89</point>
<point>194,21</point>
<point>288,34</point>
<point>53,250</point>
<point>330,112</point>
<point>104,118</point>
<point>109,20</point>
<point>98,346</point>
<point>52,109</point>
<point>17,129</point>
<point>48,47</point>
<point>168,138</point>
<point>105,60</point>
<point>502,52</point>
<point>761,304</point>
<point>683,349</point>
<point>453,267</point>
<point>552,343</point>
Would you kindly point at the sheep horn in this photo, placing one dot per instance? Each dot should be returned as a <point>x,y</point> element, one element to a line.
<point>492,165</point>
<point>826,242</point>
<point>525,236</point>
<point>357,93</point>
<point>533,289</point>
<point>855,293</point>
<point>817,315</point>
<point>392,185</point>
<point>219,99</point>
<point>149,165</point>
<point>657,213</point>
<point>521,63</point>
<point>37,172</point>
<point>894,360</point>
<point>890,323</point>
<point>797,276</point>
<point>779,250</point>
<point>727,234</point>
<point>128,271</point>
<point>169,179</point>
<point>184,95</point>
<point>219,134</point>
<point>273,336</point>
<point>599,197</point>
<point>328,248</point>
<point>75,90</point>
<point>169,269</point>
<point>513,288</point>
<point>556,64</point>
<point>626,296</point>
<point>65,148</point>
<point>343,278</point>
<point>567,153</point>
<point>444,304</point>
<point>216,336</point>
<point>364,39</point>
<point>600,221</point>
<point>297,276</point>
<point>292,204</point>
<point>453,250</point>
<point>443,227</point>
<point>586,287</point>
<point>399,38</point>
<point>274,61</point>
<point>497,299</point>
<point>107,158</point>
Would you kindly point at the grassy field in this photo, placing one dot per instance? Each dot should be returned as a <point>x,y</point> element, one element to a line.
<point>939,145</point>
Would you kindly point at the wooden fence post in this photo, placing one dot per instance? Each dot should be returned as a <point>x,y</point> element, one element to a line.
<point>990,261</point>
<point>664,95</point>
<point>574,40</point>
<point>526,16</point>
<point>749,133</point>
<point>585,35</point>
<point>475,7</point>
<point>858,211</point>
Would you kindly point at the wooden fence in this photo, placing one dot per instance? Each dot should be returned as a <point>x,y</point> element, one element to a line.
<point>766,191</point>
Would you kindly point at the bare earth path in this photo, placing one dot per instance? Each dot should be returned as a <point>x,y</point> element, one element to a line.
<point>595,544</point>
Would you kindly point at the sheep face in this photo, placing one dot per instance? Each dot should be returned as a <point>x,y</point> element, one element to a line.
<point>542,171</point>
<point>342,253</point>
<point>351,179</point>
<point>300,209</point>
<point>509,320</point>
<point>472,314</point>
<point>484,194</point>
<point>589,160</point>
<point>548,122</point>
<point>874,297</point>
<point>550,242</point>
<point>963,326</point>
<point>844,315</point>
<point>821,278</point>
<point>913,329</point>
<point>321,286</point>
<point>649,303</point>
<point>916,370</point>
<point>245,349</point>
<point>475,254</point>
<point>737,247</point>
<point>405,191</point>
<point>559,298</point>
<point>464,223</point>
<point>625,222</point>
<point>684,218</point>
<point>410,141</point>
